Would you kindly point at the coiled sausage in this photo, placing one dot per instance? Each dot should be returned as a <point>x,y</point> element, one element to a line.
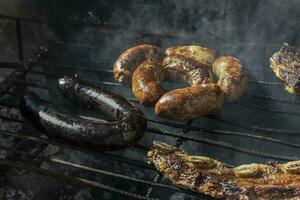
<point>232,77</point>
<point>126,122</point>
<point>146,82</point>
<point>131,58</point>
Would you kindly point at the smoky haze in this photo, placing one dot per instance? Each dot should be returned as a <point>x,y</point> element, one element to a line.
<point>250,30</point>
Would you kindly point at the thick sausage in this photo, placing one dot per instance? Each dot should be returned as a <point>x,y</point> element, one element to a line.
<point>190,102</point>
<point>146,82</point>
<point>201,54</point>
<point>232,77</point>
<point>193,72</point>
<point>131,58</point>
<point>126,126</point>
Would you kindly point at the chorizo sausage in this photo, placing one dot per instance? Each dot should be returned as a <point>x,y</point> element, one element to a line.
<point>232,77</point>
<point>131,58</point>
<point>193,72</point>
<point>126,122</point>
<point>146,82</point>
<point>201,54</point>
<point>190,102</point>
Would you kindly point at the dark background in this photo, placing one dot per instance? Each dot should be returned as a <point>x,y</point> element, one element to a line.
<point>250,30</point>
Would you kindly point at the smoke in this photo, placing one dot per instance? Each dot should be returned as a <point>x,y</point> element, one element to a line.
<point>251,30</point>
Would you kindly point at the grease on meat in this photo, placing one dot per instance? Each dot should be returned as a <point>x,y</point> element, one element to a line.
<point>211,177</point>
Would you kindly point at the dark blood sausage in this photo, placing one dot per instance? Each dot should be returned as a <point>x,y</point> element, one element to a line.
<point>146,82</point>
<point>126,123</point>
<point>190,102</point>
<point>193,71</point>
<point>232,77</point>
<point>131,58</point>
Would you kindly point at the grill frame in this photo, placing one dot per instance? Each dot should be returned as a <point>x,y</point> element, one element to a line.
<point>12,82</point>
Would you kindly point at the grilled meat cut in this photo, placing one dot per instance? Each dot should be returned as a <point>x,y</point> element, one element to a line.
<point>232,77</point>
<point>211,177</point>
<point>146,82</point>
<point>131,58</point>
<point>286,65</point>
<point>126,122</point>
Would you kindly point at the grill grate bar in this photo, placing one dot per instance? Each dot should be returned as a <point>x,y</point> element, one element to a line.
<point>272,98</point>
<point>255,128</point>
<point>41,140</point>
<point>227,146</point>
<point>265,109</point>
<point>72,179</point>
<point>258,82</point>
<point>86,168</point>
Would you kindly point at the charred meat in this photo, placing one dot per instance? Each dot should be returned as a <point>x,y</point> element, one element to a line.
<point>211,177</point>
<point>286,65</point>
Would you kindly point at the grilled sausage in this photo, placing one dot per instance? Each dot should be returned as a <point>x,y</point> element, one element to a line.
<point>146,81</point>
<point>232,77</point>
<point>201,54</point>
<point>190,102</point>
<point>131,58</point>
<point>193,72</point>
<point>126,126</point>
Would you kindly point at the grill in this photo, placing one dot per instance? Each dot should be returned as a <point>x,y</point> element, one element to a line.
<point>262,126</point>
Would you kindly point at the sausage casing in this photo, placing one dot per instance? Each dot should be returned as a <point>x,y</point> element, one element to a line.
<point>190,102</point>
<point>232,77</point>
<point>131,58</point>
<point>201,54</point>
<point>193,72</point>
<point>146,82</point>
<point>126,126</point>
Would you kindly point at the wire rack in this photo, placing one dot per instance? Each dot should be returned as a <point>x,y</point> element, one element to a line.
<point>50,66</point>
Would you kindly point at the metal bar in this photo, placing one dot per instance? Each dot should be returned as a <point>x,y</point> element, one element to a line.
<point>266,109</point>
<point>264,82</point>
<point>20,39</point>
<point>254,128</point>
<point>10,65</point>
<point>41,140</point>
<point>71,179</point>
<point>272,98</point>
<point>227,146</point>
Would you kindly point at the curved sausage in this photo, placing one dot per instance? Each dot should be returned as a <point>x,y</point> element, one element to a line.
<point>201,54</point>
<point>194,72</point>
<point>190,102</point>
<point>146,82</point>
<point>131,58</point>
<point>232,77</point>
<point>126,126</point>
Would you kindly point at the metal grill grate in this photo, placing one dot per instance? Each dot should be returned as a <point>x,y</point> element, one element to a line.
<point>179,133</point>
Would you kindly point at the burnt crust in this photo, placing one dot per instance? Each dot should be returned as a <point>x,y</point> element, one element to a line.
<point>216,179</point>
<point>286,65</point>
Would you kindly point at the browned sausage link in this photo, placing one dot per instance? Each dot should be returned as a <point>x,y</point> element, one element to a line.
<point>232,77</point>
<point>131,58</point>
<point>190,102</point>
<point>194,72</point>
<point>146,81</point>
<point>201,54</point>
